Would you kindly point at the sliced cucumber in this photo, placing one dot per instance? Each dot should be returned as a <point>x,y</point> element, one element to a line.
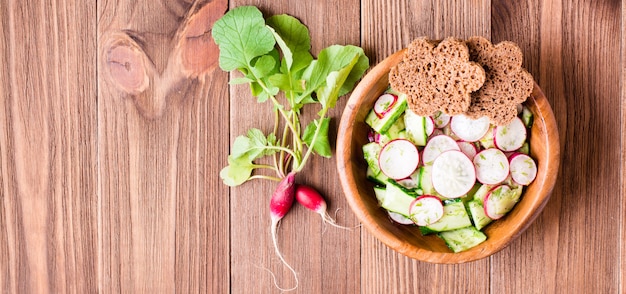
<point>381,125</point>
<point>415,128</point>
<point>380,193</point>
<point>371,151</point>
<point>527,117</point>
<point>463,239</point>
<point>500,200</point>
<point>378,179</point>
<point>477,213</point>
<point>454,217</point>
<point>397,200</point>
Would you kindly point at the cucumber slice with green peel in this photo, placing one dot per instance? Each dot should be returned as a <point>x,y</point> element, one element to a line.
<point>527,117</point>
<point>482,191</point>
<point>463,239</point>
<point>492,166</point>
<point>378,179</point>
<point>454,217</point>
<point>380,193</point>
<point>426,181</point>
<point>415,128</point>
<point>381,125</point>
<point>371,151</point>
<point>453,174</point>
<point>477,213</point>
<point>397,200</point>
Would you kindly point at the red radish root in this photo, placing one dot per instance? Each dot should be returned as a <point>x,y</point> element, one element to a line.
<point>281,202</point>
<point>313,200</point>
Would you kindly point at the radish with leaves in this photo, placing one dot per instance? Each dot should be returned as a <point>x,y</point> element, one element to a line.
<point>273,57</point>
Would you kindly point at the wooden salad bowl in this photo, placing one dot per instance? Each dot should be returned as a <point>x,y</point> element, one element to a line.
<point>407,240</point>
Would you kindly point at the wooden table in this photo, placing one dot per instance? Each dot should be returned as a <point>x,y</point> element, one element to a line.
<point>110,183</point>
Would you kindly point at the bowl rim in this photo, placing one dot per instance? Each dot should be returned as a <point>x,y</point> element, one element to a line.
<point>544,119</point>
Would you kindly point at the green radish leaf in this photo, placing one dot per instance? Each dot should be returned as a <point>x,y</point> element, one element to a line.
<point>253,146</point>
<point>293,39</point>
<point>241,35</point>
<point>321,145</point>
<point>264,66</point>
<point>241,80</point>
<point>331,59</point>
<point>237,172</point>
<point>329,93</point>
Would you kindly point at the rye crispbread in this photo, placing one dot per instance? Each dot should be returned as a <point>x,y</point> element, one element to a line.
<point>507,84</point>
<point>437,76</point>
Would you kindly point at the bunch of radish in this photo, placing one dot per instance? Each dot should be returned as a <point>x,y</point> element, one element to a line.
<point>439,158</point>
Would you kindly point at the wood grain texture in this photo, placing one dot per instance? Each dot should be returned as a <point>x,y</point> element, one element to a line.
<point>589,166</point>
<point>47,147</point>
<point>162,211</point>
<point>115,122</point>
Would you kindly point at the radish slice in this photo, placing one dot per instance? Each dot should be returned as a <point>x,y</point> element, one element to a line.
<point>523,169</point>
<point>499,201</point>
<point>398,159</point>
<point>426,210</point>
<point>436,145</point>
<point>441,119</point>
<point>492,166</point>
<point>384,103</point>
<point>470,130</point>
<point>401,219</point>
<point>453,174</point>
<point>468,148</point>
<point>510,137</point>
<point>429,125</point>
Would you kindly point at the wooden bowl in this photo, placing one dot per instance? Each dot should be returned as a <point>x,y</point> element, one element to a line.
<point>407,240</point>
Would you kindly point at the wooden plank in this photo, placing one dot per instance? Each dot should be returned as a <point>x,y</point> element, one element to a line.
<point>571,50</point>
<point>622,191</point>
<point>325,258</point>
<point>387,27</point>
<point>47,147</point>
<point>162,223</point>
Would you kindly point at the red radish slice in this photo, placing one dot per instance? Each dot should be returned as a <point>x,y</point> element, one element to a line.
<point>468,148</point>
<point>470,130</point>
<point>384,103</point>
<point>492,166</point>
<point>453,174</point>
<point>430,125</point>
<point>441,119</point>
<point>398,159</point>
<point>401,219</point>
<point>436,145</point>
<point>523,169</point>
<point>499,201</point>
<point>510,137</point>
<point>426,210</point>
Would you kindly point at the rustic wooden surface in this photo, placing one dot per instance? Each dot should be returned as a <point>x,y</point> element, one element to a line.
<point>115,121</point>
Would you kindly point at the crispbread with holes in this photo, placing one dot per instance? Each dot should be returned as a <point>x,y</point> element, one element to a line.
<point>437,76</point>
